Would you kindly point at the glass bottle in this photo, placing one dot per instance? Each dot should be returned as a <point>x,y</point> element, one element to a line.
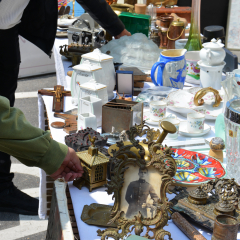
<point>194,40</point>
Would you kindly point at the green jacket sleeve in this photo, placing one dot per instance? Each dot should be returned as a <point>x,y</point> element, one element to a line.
<point>30,145</point>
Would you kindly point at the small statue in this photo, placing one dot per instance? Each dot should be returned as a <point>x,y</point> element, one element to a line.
<point>123,97</point>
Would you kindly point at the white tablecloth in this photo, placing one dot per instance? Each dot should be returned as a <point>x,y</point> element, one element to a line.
<point>83,197</point>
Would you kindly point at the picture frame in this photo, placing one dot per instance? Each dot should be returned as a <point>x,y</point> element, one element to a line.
<point>124,82</point>
<point>128,167</point>
<point>233,26</point>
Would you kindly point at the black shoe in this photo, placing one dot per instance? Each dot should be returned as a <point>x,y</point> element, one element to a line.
<point>15,201</point>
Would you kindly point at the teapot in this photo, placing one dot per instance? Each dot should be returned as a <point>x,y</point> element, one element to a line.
<point>213,53</point>
<point>171,69</point>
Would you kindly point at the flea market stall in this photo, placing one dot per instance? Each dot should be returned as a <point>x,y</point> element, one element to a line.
<point>154,119</point>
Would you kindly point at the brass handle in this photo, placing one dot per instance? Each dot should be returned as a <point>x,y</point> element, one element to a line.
<point>167,128</point>
<point>198,101</point>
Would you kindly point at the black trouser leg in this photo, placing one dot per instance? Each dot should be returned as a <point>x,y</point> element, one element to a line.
<point>9,69</point>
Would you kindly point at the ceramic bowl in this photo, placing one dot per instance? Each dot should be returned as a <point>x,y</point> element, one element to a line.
<point>194,168</point>
<point>193,70</point>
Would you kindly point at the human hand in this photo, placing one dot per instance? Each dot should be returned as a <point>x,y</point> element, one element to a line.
<point>70,169</point>
<point>123,33</point>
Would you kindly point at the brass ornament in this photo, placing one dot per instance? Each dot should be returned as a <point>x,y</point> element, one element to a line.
<point>198,196</point>
<point>162,161</point>
<point>142,129</point>
<point>223,198</point>
<point>198,101</point>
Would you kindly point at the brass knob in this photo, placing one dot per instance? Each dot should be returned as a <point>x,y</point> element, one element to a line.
<point>167,128</point>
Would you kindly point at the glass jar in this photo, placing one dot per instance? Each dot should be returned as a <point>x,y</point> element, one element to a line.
<point>232,138</point>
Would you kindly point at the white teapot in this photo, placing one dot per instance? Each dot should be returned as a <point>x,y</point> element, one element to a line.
<point>213,53</point>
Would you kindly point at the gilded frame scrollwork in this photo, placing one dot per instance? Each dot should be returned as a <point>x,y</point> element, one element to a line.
<point>162,161</point>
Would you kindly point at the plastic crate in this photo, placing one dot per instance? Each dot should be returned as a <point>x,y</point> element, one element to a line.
<point>136,23</point>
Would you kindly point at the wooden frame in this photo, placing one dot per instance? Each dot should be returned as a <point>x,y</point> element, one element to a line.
<point>121,159</point>
<point>233,26</point>
<point>124,83</point>
<point>62,223</point>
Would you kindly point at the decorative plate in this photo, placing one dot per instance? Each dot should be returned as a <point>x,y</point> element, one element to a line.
<point>183,130</point>
<point>146,117</point>
<point>186,104</point>
<point>195,168</point>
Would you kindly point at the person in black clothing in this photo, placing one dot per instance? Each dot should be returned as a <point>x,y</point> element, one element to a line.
<point>137,194</point>
<point>38,24</point>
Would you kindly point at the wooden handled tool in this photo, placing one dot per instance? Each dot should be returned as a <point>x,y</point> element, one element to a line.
<point>186,227</point>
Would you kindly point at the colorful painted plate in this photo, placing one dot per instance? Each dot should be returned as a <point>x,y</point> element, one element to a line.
<point>195,168</point>
<point>183,130</point>
<point>146,117</point>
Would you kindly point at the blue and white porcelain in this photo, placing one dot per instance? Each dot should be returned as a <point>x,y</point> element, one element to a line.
<point>170,70</point>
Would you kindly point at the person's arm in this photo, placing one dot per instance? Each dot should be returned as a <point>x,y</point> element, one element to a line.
<point>103,14</point>
<point>33,146</point>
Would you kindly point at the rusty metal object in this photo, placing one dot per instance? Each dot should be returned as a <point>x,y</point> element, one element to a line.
<point>198,196</point>
<point>186,227</point>
<point>198,101</point>
<point>225,228</point>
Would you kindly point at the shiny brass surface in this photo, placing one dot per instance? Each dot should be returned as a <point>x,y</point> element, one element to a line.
<point>198,196</point>
<point>118,8</point>
<point>198,101</point>
<point>223,197</point>
<point>139,130</point>
<point>177,23</point>
<point>167,128</point>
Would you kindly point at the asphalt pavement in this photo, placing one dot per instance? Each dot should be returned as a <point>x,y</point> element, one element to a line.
<point>15,226</point>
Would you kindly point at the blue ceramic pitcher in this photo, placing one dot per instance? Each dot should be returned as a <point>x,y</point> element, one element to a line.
<point>171,70</point>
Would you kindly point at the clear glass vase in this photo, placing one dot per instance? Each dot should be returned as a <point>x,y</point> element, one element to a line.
<point>194,40</point>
